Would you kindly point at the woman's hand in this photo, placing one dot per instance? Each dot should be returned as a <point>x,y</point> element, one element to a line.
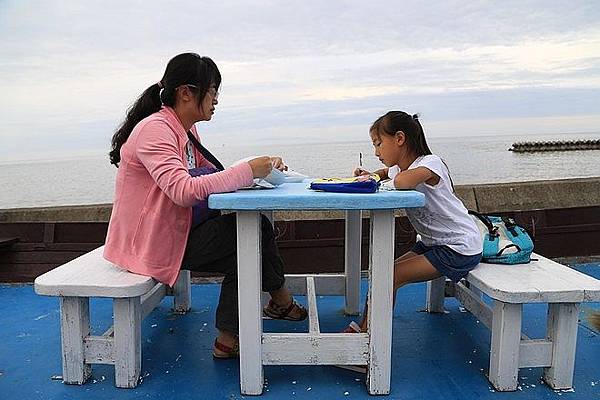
<point>278,163</point>
<point>261,166</point>
<point>360,171</point>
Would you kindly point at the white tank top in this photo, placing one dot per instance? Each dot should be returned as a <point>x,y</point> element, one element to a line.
<point>443,220</point>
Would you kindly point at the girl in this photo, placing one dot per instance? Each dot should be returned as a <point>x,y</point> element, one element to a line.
<point>450,244</point>
<point>151,230</point>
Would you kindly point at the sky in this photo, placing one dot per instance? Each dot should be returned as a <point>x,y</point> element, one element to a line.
<point>299,71</point>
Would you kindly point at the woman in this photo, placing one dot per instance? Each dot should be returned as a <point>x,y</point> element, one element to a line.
<point>151,230</point>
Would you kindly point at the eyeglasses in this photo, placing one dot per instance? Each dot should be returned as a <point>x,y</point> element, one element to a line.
<point>212,90</point>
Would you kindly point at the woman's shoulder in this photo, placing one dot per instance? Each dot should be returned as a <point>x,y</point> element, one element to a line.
<point>153,124</point>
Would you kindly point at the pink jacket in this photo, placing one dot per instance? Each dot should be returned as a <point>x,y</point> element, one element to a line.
<point>154,193</point>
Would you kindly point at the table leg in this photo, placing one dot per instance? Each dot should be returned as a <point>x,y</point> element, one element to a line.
<point>352,260</point>
<point>249,289</point>
<point>381,261</point>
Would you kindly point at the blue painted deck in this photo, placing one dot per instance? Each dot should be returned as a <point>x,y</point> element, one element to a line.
<point>297,196</point>
<point>434,356</point>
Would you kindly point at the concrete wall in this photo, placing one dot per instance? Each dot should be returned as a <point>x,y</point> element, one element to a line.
<point>498,197</point>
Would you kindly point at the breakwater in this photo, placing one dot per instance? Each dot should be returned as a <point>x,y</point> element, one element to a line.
<point>555,145</point>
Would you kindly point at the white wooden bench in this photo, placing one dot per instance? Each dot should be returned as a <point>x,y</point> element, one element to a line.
<point>509,287</point>
<point>134,297</point>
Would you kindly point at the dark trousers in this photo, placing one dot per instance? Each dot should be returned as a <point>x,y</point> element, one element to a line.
<point>212,247</point>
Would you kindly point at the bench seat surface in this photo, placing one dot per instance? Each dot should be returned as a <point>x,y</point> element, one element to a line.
<point>90,275</point>
<point>542,281</point>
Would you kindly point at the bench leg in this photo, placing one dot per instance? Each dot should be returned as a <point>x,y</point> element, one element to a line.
<point>562,332</point>
<point>127,341</point>
<point>506,339</point>
<point>75,326</point>
<point>182,293</point>
<point>353,236</point>
<point>436,294</point>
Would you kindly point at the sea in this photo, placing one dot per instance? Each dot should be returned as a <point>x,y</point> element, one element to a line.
<point>471,160</point>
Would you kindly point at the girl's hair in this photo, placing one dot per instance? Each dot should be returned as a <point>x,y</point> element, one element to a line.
<point>184,69</point>
<point>395,121</point>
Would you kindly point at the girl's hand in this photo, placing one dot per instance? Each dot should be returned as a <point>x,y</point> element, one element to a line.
<point>261,166</point>
<point>360,171</point>
<point>278,163</point>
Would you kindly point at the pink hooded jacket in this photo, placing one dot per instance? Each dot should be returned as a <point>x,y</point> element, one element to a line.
<point>154,193</point>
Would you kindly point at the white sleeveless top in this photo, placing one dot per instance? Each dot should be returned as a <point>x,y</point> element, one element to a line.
<point>443,220</point>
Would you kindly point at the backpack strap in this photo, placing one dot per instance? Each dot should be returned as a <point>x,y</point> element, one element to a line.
<point>510,225</point>
<point>508,246</point>
<point>205,153</point>
<point>492,230</point>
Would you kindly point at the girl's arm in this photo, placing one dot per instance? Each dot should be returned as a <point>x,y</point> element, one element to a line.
<point>383,172</point>
<point>409,179</point>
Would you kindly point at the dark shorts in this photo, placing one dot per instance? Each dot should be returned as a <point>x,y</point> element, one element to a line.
<point>447,261</point>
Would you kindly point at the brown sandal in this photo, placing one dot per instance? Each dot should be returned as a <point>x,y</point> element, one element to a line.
<point>275,311</point>
<point>225,351</point>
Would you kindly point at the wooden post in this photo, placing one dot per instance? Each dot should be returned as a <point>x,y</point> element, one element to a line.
<point>562,332</point>
<point>249,289</point>
<point>182,293</point>
<point>506,339</point>
<point>127,341</point>
<point>75,326</point>
<point>436,289</point>
<point>353,236</point>
<point>381,284</point>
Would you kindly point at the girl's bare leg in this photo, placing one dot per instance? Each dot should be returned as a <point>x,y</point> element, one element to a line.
<point>410,268</point>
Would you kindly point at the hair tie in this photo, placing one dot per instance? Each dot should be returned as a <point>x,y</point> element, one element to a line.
<point>415,117</point>
<point>160,85</point>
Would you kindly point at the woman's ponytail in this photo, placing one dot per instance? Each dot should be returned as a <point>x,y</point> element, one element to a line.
<point>148,103</point>
<point>183,69</point>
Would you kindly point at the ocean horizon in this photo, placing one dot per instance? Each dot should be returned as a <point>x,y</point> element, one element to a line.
<point>89,178</point>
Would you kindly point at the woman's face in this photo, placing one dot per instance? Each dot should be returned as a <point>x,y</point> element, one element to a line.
<point>207,107</point>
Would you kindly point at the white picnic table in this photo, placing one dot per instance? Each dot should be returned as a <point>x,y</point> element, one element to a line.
<point>314,347</point>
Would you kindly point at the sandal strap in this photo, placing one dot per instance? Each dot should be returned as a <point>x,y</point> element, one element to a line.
<point>287,312</point>
<point>224,348</point>
<point>278,310</point>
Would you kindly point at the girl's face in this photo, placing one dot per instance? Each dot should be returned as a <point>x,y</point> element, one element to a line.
<point>207,107</point>
<point>388,148</point>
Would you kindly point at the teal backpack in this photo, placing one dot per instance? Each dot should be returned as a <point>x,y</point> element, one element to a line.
<point>504,242</point>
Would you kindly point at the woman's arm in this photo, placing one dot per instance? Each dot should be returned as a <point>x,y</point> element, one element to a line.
<point>410,178</point>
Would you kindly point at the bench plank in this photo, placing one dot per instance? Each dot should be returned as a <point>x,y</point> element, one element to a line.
<point>542,281</point>
<point>92,276</point>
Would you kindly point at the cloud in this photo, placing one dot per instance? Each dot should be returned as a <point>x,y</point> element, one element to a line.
<point>73,68</point>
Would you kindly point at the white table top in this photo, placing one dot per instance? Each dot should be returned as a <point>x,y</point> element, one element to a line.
<point>297,196</point>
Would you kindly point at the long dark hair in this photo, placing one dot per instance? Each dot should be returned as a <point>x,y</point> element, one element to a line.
<point>395,121</point>
<point>183,69</point>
